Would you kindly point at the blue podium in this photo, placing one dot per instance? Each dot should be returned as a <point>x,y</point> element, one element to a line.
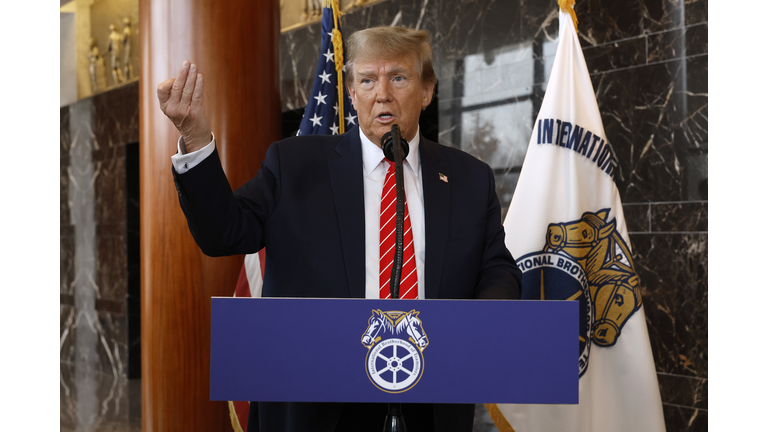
<point>409,351</point>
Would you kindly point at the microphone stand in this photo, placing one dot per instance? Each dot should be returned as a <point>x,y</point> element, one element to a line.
<point>396,149</point>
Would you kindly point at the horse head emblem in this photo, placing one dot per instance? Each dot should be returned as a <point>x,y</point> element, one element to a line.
<point>579,237</point>
<point>387,324</point>
<point>593,242</point>
<point>376,323</point>
<point>415,329</point>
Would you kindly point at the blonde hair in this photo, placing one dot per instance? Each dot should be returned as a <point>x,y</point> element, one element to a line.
<point>385,41</point>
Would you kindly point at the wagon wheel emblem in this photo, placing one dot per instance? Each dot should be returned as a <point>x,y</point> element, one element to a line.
<point>394,365</point>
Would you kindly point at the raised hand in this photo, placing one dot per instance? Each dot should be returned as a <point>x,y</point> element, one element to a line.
<point>181,99</point>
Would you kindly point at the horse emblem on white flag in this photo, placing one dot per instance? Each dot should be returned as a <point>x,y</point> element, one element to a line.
<point>588,261</point>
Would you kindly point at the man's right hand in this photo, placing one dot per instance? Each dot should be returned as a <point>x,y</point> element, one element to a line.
<point>181,99</point>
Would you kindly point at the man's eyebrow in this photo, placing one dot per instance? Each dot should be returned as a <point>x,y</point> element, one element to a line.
<point>395,70</point>
<point>398,70</point>
<point>366,72</point>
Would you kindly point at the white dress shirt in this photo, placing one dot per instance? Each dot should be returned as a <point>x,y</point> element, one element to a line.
<point>374,173</point>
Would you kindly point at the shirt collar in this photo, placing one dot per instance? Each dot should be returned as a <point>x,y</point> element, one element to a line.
<point>372,154</point>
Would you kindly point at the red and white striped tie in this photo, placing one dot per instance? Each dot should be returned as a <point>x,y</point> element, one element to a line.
<point>408,280</point>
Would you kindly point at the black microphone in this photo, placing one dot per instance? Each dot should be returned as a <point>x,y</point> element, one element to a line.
<point>388,145</point>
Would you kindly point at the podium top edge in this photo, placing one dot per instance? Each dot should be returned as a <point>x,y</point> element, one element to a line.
<point>412,300</point>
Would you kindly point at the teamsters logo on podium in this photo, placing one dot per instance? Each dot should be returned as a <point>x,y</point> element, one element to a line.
<point>586,260</point>
<point>395,342</point>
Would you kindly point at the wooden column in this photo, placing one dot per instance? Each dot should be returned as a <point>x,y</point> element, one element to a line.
<point>235,45</point>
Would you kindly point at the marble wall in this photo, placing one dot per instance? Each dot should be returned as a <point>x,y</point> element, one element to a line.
<point>99,312</point>
<point>648,62</point>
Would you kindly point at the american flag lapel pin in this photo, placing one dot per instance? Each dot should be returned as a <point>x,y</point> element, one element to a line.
<point>443,177</point>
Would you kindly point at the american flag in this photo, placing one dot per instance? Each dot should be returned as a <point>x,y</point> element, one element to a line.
<point>321,117</point>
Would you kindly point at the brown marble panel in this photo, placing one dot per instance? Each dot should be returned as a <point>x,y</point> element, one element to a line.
<point>602,21</point>
<point>106,154</point>
<point>679,217</point>
<point>649,122</point>
<point>683,390</point>
<point>672,44</point>
<point>112,265</point>
<point>65,213</point>
<point>637,217</point>
<point>539,20</point>
<point>694,136</point>
<point>111,306</point>
<point>109,186</point>
<point>67,259</point>
<point>466,28</point>
<point>684,419</point>
<point>615,55</point>
<point>115,122</point>
<point>65,136</point>
<point>299,50</point>
<point>112,342</point>
<point>673,273</point>
<point>696,11</point>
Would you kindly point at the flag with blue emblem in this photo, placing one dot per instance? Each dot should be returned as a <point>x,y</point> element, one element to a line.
<point>321,117</point>
<point>566,229</point>
<point>329,98</point>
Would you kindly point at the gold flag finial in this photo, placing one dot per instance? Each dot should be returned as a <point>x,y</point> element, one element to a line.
<point>567,6</point>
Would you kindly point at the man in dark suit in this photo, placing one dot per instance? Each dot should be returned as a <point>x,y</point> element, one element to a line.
<point>317,204</point>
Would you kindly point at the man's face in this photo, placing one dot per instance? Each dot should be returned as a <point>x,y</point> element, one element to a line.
<point>388,91</point>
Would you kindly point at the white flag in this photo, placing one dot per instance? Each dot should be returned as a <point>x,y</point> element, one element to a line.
<point>565,227</point>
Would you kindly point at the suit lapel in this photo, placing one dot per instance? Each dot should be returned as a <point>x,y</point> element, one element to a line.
<point>346,174</point>
<point>437,204</point>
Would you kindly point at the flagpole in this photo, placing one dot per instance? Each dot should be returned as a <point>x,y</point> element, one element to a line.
<point>338,49</point>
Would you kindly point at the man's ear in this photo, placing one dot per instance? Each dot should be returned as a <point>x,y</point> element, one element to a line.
<point>429,92</point>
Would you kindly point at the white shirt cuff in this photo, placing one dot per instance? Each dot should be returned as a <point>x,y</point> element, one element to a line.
<point>183,161</point>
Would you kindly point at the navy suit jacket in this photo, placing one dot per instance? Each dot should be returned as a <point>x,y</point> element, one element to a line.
<point>306,206</point>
